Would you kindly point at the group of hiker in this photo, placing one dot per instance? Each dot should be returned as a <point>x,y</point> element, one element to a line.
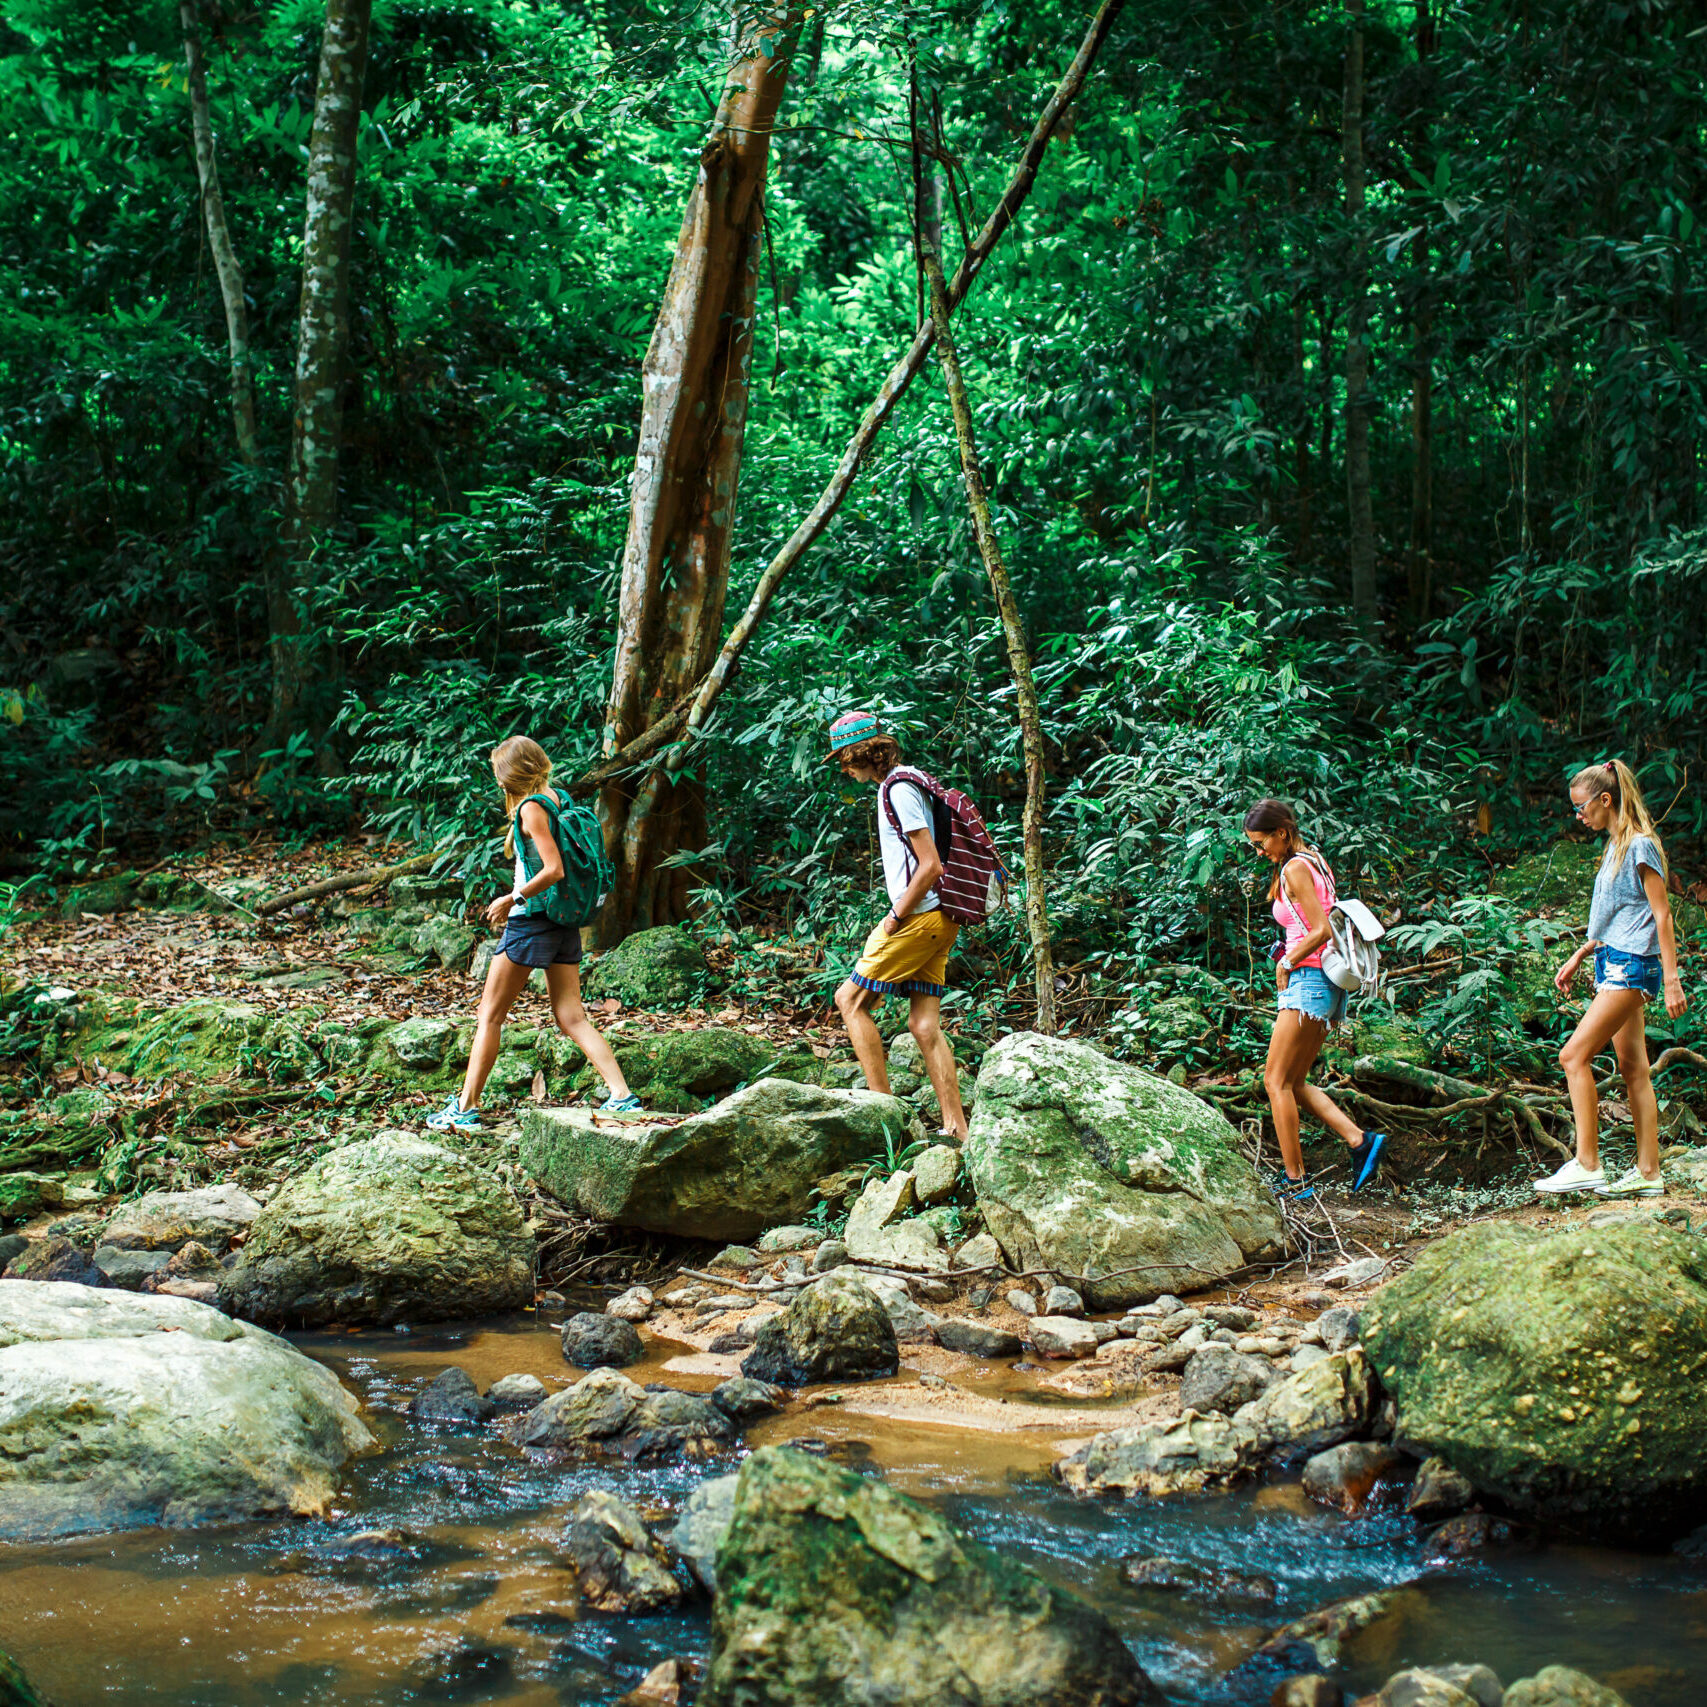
<point>940,869</point>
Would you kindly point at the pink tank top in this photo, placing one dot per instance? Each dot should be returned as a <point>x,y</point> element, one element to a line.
<point>1291,920</point>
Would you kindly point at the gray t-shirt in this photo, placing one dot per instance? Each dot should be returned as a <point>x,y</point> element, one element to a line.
<point>913,807</point>
<point>1619,915</point>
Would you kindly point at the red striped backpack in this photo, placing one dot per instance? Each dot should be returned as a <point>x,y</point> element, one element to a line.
<point>974,882</point>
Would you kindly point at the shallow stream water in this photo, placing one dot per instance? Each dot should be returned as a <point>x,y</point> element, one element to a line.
<point>298,1612</point>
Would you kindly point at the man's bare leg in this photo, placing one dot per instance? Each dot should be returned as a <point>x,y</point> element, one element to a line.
<point>854,1002</point>
<point>924,1021</point>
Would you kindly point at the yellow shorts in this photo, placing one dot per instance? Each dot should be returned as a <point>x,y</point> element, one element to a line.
<point>912,962</point>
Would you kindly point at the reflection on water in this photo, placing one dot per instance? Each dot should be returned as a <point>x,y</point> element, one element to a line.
<point>467,1604</point>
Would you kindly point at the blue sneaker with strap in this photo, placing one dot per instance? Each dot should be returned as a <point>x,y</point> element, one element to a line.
<point>614,1104</point>
<point>1365,1158</point>
<point>453,1117</point>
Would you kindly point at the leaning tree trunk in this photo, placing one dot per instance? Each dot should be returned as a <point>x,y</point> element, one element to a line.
<point>1019,655</point>
<point>323,335</point>
<point>225,265</point>
<point>675,564</point>
<point>1360,528</point>
<point>1419,568</point>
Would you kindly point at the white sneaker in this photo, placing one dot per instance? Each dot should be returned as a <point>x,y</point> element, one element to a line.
<point>1573,1176</point>
<point>1635,1183</point>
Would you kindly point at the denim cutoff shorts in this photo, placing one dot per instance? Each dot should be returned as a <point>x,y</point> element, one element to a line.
<point>1309,992</point>
<point>1616,969</point>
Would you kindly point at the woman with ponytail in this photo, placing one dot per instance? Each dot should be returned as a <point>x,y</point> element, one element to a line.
<point>1301,894</point>
<point>1635,959</point>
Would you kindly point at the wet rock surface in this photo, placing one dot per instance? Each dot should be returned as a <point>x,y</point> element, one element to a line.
<point>451,1400</point>
<point>612,1558</point>
<point>392,1229</point>
<point>117,1410</point>
<point>1183,1456</point>
<point>746,1165</point>
<point>834,1589</point>
<point>592,1341</point>
<point>166,1220</point>
<point>605,1413</point>
<point>1085,1165</point>
<point>836,1330</point>
<point>1559,1372</point>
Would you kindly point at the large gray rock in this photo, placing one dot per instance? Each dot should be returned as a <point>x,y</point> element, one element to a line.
<point>838,1329</point>
<point>1560,1372</point>
<point>748,1164</point>
<point>118,1410</point>
<point>834,1589</point>
<point>212,1215</point>
<point>393,1229</point>
<point>594,1341</point>
<point>1085,1165</point>
<point>879,1232</point>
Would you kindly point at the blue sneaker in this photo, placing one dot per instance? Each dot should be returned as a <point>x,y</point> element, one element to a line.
<point>453,1117</point>
<point>614,1104</point>
<point>1365,1158</point>
<point>1293,1190</point>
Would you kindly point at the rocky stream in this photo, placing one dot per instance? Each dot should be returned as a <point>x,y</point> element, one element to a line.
<point>1074,1414</point>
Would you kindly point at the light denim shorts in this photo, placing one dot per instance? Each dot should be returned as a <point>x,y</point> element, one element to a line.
<point>1309,992</point>
<point>1618,969</point>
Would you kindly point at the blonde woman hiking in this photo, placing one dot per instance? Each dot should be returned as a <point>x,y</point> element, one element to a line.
<point>532,939</point>
<point>1301,894</point>
<point>1634,945</point>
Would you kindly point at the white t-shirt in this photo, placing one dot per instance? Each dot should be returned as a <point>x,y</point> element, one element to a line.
<point>913,807</point>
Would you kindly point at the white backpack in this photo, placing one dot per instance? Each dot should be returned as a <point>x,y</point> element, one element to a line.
<point>1350,959</point>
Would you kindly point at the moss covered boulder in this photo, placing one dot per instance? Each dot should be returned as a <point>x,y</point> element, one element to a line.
<point>660,968</point>
<point>674,1072</point>
<point>836,1590</point>
<point>118,1409</point>
<point>1085,1165</point>
<point>745,1165</point>
<point>392,1229</point>
<point>1560,1372</point>
<point>201,1039</point>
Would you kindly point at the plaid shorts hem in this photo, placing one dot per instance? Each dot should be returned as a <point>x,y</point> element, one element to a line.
<point>905,987</point>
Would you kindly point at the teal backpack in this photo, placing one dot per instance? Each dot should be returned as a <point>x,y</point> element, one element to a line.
<point>577,897</point>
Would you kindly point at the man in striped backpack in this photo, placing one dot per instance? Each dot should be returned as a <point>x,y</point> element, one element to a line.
<point>941,870</point>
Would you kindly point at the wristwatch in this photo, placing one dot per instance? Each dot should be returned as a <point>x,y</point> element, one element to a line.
<point>517,898</point>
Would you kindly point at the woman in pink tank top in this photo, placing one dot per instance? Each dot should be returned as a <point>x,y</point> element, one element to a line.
<point>1301,894</point>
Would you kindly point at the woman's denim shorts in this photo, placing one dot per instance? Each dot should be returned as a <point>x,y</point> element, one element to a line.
<point>1616,969</point>
<point>1309,992</point>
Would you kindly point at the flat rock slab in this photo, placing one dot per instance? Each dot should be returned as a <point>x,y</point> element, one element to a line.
<point>118,1410</point>
<point>744,1166</point>
<point>167,1220</point>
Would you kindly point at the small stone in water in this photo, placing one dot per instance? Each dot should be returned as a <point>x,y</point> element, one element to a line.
<point>600,1342</point>
<point>743,1400</point>
<point>1312,1691</point>
<point>1439,1490</point>
<point>634,1305</point>
<point>451,1398</point>
<point>517,1392</point>
<point>1208,1581</point>
<point>1023,1302</point>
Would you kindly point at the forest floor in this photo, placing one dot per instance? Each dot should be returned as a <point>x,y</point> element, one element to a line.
<point>304,960</point>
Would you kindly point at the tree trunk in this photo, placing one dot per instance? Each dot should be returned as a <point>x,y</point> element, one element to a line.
<point>675,565</point>
<point>1419,566</point>
<point>323,332</point>
<point>1019,655</point>
<point>1360,520</point>
<point>225,265</point>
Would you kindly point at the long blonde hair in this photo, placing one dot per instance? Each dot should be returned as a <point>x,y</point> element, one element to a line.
<point>1632,818</point>
<point>521,767</point>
